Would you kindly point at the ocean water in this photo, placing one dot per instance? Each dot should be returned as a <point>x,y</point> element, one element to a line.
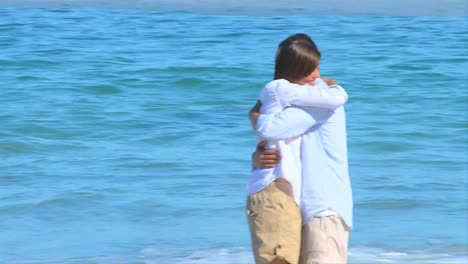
<point>124,135</point>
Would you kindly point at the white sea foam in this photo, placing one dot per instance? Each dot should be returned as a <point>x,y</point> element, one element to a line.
<point>359,255</point>
<point>243,255</point>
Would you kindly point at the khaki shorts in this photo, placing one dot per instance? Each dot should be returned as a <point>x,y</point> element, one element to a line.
<point>324,241</point>
<point>275,225</point>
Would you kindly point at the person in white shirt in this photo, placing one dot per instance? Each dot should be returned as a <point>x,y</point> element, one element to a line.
<point>326,196</point>
<point>275,193</point>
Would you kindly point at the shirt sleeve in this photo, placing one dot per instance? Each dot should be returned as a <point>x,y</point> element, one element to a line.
<point>291,122</point>
<point>320,95</point>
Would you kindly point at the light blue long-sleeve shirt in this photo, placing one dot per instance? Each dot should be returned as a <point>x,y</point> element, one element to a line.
<point>275,97</point>
<point>325,178</point>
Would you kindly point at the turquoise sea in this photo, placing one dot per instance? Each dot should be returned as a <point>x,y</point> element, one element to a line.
<point>124,135</point>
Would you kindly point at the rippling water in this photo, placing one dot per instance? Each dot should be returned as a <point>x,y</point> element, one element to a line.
<point>124,135</point>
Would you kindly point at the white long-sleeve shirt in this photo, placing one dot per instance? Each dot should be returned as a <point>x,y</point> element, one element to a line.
<point>275,97</point>
<point>325,178</point>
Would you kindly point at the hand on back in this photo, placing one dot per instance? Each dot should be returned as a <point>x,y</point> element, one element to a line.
<point>265,158</point>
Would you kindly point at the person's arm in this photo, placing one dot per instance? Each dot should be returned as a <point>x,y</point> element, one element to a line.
<point>261,157</point>
<point>323,95</point>
<point>286,124</point>
<point>291,122</point>
<point>254,114</point>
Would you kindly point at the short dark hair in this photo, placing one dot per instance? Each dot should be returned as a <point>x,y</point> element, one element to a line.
<point>297,57</point>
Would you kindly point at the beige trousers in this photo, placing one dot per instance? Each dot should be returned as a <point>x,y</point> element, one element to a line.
<point>324,241</point>
<point>275,225</point>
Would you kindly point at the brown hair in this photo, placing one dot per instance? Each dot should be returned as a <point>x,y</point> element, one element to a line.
<point>297,57</point>
<point>297,37</point>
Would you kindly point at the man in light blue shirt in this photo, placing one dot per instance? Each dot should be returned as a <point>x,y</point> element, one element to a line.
<point>326,202</point>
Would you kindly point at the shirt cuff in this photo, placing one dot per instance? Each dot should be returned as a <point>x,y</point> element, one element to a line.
<point>341,88</point>
<point>261,120</point>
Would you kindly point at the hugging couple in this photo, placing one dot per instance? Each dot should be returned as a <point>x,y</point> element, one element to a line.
<point>299,204</point>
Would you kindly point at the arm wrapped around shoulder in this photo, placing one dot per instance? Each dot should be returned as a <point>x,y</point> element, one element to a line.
<point>319,95</point>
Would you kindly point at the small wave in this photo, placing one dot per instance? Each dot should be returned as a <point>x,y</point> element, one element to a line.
<point>70,199</point>
<point>37,63</point>
<point>193,70</point>
<point>102,89</point>
<point>28,78</point>
<point>41,132</point>
<point>16,147</point>
<point>390,204</point>
<point>191,82</point>
<point>409,68</point>
<point>150,165</point>
<point>389,147</point>
<point>33,63</point>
